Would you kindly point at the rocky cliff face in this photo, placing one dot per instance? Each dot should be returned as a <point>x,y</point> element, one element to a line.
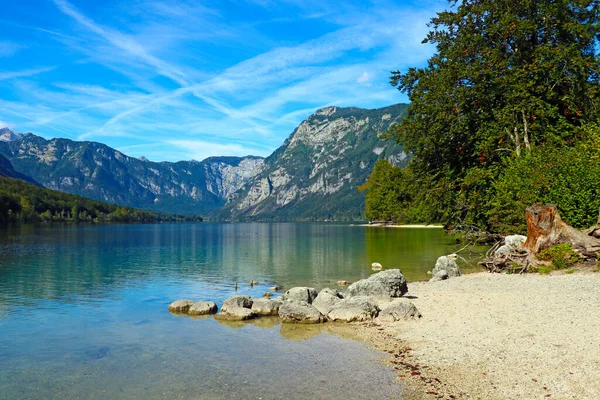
<point>315,173</point>
<point>99,172</point>
<point>6,135</point>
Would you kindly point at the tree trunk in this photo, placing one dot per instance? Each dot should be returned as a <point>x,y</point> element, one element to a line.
<point>545,229</point>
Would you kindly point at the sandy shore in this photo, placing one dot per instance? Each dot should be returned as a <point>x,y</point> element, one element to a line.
<point>402,226</point>
<point>491,336</point>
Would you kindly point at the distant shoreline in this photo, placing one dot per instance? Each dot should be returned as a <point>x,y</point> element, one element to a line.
<point>387,225</point>
<point>497,336</point>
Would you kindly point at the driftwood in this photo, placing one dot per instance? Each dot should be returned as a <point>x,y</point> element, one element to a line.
<point>545,228</point>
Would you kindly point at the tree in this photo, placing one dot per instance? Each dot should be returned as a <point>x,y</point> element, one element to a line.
<point>509,77</point>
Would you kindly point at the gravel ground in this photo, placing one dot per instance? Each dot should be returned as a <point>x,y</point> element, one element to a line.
<point>492,336</point>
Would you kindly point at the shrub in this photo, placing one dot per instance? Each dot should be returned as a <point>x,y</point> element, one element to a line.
<point>562,256</point>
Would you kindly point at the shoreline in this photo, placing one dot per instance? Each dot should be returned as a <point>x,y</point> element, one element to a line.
<point>496,336</point>
<point>412,226</point>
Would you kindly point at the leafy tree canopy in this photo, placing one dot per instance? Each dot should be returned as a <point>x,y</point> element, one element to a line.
<point>509,78</point>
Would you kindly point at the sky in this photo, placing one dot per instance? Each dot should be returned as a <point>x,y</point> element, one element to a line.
<point>188,79</point>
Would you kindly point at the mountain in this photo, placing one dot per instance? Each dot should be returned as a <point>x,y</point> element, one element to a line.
<point>99,172</point>
<point>7,170</point>
<point>6,135</point>
<point>25,202</point>
<point>315,173</point>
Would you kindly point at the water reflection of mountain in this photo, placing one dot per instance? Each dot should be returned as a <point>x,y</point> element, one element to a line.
<point>90,263</point>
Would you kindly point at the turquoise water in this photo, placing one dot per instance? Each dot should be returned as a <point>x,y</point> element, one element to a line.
<point>83,309</point>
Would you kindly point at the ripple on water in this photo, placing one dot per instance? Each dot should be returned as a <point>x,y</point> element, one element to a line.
<point>83,310</point>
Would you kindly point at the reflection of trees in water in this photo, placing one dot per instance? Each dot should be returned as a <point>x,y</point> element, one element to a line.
<point>61,262</point>
<point>413,250</point>
<point>299,254</point>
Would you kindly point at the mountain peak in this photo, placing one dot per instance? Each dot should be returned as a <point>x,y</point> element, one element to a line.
<point>326,111</point>
<point>6,135</point>
<point>142,158</point>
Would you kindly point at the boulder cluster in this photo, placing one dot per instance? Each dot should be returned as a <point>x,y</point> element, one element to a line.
<point>378,296</point>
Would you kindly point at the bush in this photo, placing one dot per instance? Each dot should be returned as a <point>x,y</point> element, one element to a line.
<point>566,177</point>
<point>562,256</point>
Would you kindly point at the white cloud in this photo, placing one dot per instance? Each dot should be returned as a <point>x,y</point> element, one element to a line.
<point>23,73</point>
<point>8,49</point>
<point>364,78</point>
<point>123,42</point>
<point>200,150</point>
<point>209,104</point>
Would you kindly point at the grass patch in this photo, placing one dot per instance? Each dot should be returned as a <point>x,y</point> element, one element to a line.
<point>561,256</point>
<point>546,269</point>
<point>569,271</point>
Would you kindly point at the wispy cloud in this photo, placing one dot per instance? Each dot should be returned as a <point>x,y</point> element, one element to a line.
<point>123,42</point>
<point>23,73</point>
<point>8,49</point>
<point>190,79</point>
<point>200,149</point>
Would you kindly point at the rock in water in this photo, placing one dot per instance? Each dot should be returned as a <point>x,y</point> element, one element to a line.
<point>359,308</point>
<point>511,244</point>
<point>236,314</point>
<point>397,310</point>
<point>243,301</point>
<point>447,264</point>
<point>306,294</point>
<point>325,302</point>
<point>266,306</point>
<point>376,266</point>
<point>203,308</point>
<point>342,283</point>
<point>180,306</point>
<point>383,285</point>
<point>333,292</point>
<point>300,312</point>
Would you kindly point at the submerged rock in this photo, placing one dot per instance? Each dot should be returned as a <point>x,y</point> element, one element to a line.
<point>342,283</point>
<point>325,301</point>
<point>359,308</point>
<point>398,309</point>
<point>203,308</point>
<point>445,263</point>
<point>266,306</point>
<point>385,284</point>
<point>236,314</point>
<point>180,306</point>
<point>306,294</point>
<point>300,312</point>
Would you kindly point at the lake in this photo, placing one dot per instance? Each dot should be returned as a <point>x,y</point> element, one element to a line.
<point>83,309</point>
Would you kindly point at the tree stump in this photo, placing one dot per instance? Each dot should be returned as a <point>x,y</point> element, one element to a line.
<point>594,230</point>
<point>545,228</point>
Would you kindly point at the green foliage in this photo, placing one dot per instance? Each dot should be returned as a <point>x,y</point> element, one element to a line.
<point>391,195</point>
<point>562,256</point>
<point>568,177</point>
<point>513,86</point>
<point>25,202</point>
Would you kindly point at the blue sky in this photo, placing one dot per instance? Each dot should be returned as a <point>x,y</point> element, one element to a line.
<point>179,80</point>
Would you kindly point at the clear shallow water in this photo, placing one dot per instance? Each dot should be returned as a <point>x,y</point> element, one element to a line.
<point>83,309</point>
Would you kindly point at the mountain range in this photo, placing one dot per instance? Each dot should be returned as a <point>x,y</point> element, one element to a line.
<point>313,175</point>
